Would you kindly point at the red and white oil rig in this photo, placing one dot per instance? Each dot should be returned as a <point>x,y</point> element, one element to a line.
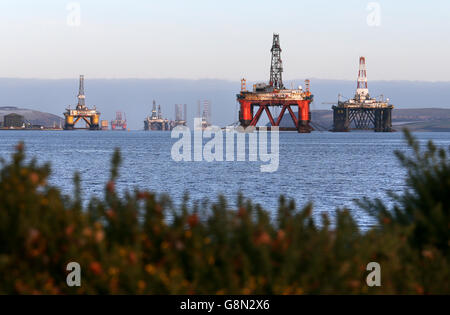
<point>275,95</point>
<point>120,122</point>
<point>363,112</point>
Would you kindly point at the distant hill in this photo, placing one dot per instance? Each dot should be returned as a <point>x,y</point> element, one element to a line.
<point>436,126</point>
<point>33,116</point>
<point>422,119</point>
<point>416,119</point>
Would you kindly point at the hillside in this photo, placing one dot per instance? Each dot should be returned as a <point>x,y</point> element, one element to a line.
<point>33,116</point>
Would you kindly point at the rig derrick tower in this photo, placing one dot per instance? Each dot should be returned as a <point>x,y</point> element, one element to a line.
<point>180,117</point>
<point>276,65</point>
<point>204,113</point>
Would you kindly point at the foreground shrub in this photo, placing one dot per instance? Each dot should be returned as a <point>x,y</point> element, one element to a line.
<point>140,244</point>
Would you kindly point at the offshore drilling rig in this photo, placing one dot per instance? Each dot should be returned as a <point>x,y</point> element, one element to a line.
<point>90,116</point>
<point>204,114</point>
<point>120,122</point>
<point>363,111</point>
<point>156,121</point>
<point>180,117</point>
<point>275,95</point>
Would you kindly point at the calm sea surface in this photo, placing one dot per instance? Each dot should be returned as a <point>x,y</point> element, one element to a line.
<point>329,169</point>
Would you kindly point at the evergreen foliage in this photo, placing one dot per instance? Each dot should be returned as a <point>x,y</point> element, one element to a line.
<point>139,244</point>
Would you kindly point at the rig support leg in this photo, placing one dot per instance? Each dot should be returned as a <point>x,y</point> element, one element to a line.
<point>303,117</point>
<point>383,120</point>
<point>341,122</point>
<point>245,113</point>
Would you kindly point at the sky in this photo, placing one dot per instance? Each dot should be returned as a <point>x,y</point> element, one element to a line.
<point>204,39</point>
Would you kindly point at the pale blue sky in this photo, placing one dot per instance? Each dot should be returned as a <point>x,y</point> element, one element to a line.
<point>224,39</point>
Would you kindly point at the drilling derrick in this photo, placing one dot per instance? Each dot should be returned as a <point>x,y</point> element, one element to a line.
<point>274,95</point>
<point>81,97</point>
<point>154,114</point>
<point>206,116</point>
<point>178,113</point>
<point>81,112</point>
<point>362,112</point>
<point>362,90</point>
<point>276,66</point>
<point>180,119</point>
<point>159,112</point>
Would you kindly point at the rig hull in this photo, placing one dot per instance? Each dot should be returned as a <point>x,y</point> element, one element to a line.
<point>287,100</point>
<point>377,118</point>
<point>90,116</point>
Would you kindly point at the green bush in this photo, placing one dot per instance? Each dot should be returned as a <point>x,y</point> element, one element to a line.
<point>140,244</point>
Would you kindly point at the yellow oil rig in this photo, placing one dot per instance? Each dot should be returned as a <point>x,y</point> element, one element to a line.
<point>90,116</point>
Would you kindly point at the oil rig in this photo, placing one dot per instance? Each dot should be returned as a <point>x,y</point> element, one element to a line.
<point>275,95</point>
<point>204,114</point>
<point>180,117</point>
<point>156,121</point>
<point>120,122</point>
<point>90,116</point>
<point>362,112</point>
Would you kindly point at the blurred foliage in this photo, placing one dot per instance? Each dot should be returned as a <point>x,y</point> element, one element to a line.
<point>139,244</point>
